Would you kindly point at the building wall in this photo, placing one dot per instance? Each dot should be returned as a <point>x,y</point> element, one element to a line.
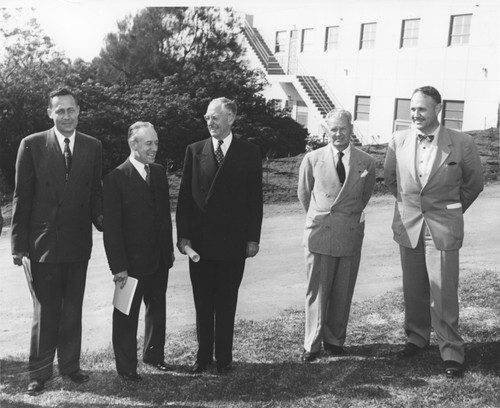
<point>468,73</point>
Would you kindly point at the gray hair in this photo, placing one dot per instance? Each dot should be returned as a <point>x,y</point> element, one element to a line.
<point>132,130</point>
<point>227,104</point>
<point>339,113</point>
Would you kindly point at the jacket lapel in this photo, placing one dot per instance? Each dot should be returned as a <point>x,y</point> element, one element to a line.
<point>356,168</point>
<point>57,167</point>
<point>409,151</point>
<point>137,183</point>
<point>443,151</point>
<point>79,159</point>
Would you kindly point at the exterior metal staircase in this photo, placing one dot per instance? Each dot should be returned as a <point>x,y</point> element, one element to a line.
<point>264,54</point>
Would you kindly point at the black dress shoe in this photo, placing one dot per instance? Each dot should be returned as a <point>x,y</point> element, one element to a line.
<point>162,366</point>
<point>132,376</point>
<point>408,351</point>
<point>224,368</point>
<point>453,369</point>
<point>35,387</point>
<point>199,368</point>
<point>79,376</point>
<point>309,356</point>
<point>333,350</point>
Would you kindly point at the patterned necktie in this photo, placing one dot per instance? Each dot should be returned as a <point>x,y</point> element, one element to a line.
<point>341,168</point>
<point>148,175</point>
<point>67,157</point>
<point>218,153</point>
<point>429,138</point>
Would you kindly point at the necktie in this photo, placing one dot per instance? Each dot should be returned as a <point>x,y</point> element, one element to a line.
<point>218,153</point>
<point>67,156</point>
<point>429,138</point>
<point>148,175</point>
<point>341,168</point>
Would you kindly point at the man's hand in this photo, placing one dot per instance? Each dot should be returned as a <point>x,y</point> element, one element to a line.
<point>121,277</point>
<point>252,249</point>
<point>181,244</point>
<point>17,257</point>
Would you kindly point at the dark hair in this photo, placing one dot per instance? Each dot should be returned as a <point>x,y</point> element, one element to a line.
<point>61,92</point>
<point>429,91</point>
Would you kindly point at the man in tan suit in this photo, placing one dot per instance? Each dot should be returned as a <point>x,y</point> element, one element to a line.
<point>335,184</point>
<point>435,174</point>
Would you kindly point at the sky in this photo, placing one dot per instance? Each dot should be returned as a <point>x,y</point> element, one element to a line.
<point>79,26</point>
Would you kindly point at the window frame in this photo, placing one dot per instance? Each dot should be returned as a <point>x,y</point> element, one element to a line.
<point>357,106</point>
<point>280,46</point>
<point>331,45</point>
<point>445,121</point>
<point>413,41</point>
<point>463,37</point>
<point>363,41</point>
<point>303,44</point>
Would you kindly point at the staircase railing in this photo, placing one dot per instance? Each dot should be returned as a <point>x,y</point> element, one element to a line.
<point>317,92</point>
<point>257,45</point>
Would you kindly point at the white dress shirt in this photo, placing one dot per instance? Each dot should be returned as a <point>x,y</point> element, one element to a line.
<point>61,137</point>
<point>139,167</point>
<point>224,146</point>
<point>345,158</point>
<point>426,154</point>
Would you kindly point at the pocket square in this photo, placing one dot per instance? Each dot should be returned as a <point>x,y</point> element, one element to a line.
<point>454,206</point>
<point>365,172</point>
<point>451,164</point>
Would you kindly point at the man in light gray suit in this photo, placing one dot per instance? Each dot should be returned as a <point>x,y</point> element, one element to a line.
<point>335,184</point>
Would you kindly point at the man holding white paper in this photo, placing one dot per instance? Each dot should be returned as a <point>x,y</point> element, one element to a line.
<point>335,184</point>
<point>435,174</point>
<point>219,215</point>
<point>138,243</point>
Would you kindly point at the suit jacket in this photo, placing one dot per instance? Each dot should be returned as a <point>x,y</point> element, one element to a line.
<point>220,210</point>
<point>137,222</point>
<point>455,180</point>
<point>333,223</point>
<point>51,218</point>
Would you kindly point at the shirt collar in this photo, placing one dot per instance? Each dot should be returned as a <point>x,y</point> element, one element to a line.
<point>346,151</point>
<point>227,141</point>
<point>61,137</point>
<point>434,133</point>
<point>138,165</point>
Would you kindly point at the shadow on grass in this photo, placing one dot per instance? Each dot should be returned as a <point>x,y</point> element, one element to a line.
<point>365,372</point>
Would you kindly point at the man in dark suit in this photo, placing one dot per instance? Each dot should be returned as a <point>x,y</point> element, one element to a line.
<point>57,197</point>
<point>435,174</point>
<point>219,215</point>
<point>138,243</point>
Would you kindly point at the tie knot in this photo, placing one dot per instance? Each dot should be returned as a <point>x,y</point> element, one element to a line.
<point>220,142</point>
<point>66,140</point>
<point>429,138</point>
<point>341,154</point>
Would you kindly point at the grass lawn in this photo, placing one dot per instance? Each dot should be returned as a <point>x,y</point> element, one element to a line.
<point>268,372</point>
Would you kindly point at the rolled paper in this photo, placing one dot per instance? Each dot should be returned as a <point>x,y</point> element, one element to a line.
<point>191,253</point>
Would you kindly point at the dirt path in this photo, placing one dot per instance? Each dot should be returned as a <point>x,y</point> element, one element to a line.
<point>273,281</point>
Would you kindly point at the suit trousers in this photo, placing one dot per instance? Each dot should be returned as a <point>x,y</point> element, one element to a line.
<point>57,317</point>
<point>215,291</point>
<point>152,290</point>
<point>430,287</point>
<point>330,286</point>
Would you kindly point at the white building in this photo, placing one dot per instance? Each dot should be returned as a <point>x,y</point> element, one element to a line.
<point>368,56</point>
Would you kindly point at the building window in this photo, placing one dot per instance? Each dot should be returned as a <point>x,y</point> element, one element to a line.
<point>453,114</point>
<point>409,33</point>
<point>367,39</point>
<point>307,40</point>
<point>362,111</point>
<point>280,41</point>
<point>460,29</point>
<point>331,38</point>
<point>402,118</point>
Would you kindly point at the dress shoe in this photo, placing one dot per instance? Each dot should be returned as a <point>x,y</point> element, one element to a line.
<point>224,368</point>
<point>408,351</point>
<point>199,368</point>
<point>309,356</point>
<point>78,377</point>
<point>35,387</point>
<point>161,365</point>
<point>333,350</point>
<point>132,376</point>
<point>453,369</point>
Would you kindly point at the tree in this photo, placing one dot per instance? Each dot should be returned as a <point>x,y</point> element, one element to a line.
<point>30,66</point>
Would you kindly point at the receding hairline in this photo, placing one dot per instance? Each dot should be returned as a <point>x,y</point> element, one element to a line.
<point>338,113</point>
<point>135,127</point>
<point>226,104</point>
